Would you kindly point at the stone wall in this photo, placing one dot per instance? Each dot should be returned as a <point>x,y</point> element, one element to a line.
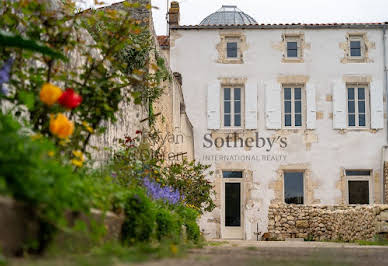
<point>321,222</point>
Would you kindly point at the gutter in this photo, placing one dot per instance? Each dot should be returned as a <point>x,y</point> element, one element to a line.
<point>384,148</point>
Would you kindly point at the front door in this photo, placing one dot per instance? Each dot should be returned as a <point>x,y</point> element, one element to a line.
<point>232,213</point>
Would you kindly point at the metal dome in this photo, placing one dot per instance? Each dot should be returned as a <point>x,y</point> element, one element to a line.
<point>228,15</point>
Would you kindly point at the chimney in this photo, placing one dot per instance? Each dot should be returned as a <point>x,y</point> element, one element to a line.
<point>173,14</point>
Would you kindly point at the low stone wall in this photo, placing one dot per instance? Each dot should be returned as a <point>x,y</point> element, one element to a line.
<point>19,226</point>
<point>319,222</point>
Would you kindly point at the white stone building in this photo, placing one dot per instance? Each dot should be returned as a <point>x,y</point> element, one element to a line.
<point>284,113</point>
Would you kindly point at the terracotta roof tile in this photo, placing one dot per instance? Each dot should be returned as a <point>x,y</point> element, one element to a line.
<point>287,25</point>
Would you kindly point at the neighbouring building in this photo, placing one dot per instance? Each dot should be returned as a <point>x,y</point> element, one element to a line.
<point>172,123</point>
<point>290,116</point>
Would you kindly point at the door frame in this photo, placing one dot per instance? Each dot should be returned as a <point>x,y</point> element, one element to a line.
<point>233,232</point>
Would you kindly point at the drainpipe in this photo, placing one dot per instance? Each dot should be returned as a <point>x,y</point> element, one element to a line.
<point>384,148</point>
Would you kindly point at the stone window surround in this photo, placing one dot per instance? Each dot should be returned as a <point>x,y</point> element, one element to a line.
<point>232,82</point>
<point>358,178</point>
<point>366,46</point>
<point>308,184</point>
<point>297,37</point>
<point>304,183</point>
<point>367,106</point>
<point>364,80</point>
<point>241,47</point>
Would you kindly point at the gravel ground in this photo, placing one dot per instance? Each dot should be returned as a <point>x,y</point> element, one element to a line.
<point>286,253</point>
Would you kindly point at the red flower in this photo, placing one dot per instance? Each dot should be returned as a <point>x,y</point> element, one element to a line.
<point>70,99</point>
<point>138,132</point>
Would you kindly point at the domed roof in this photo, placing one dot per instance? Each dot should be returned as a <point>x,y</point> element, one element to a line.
<point>228,15</point>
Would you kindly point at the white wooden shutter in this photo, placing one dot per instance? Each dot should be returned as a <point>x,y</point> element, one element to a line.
<point>251,105</point>
<point>376,105</point>
<point>311,110</point>
<point>273,110</point>
<point>213,105</point>
<point>339,105</point>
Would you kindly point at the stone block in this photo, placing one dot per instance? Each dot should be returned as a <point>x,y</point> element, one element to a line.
<point>302,224</point>
<point>383,216</point>
<point>382,227</point>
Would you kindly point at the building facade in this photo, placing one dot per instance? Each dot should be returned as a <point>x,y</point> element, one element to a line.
<point>285,114</point>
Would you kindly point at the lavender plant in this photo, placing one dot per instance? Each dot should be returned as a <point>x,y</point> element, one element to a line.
<point>165,193</point>
<point>5,72</point>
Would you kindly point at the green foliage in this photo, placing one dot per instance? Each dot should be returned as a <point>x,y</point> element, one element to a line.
<point>189,217</point>
<point>140,157</point>
<point>30,174</point>
<point>114,67</point>
<point>17,41</point>
<point>190,179</point>
<point>139,224</point>
<point>169,224</point>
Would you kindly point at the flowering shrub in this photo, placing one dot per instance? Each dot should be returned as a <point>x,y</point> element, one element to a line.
<point>164,193</point>
<point>60,126</point>
<point>70,99</point>
<point>99,82</point>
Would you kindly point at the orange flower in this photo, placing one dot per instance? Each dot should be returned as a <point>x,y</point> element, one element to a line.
<point>60,126</point>
<point>49,94</point>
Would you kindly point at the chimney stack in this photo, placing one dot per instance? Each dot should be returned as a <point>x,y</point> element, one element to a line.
<point>174,14</point>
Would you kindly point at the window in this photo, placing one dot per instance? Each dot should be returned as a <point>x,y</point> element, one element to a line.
<point>357,106</point>
<point>292,106</point>
<point>358,186</point>
<point>232,107</point>
<point>292,49</point>
<point>232,174</point>
<point>231,49</point>
<point>293,188</point>
<point>356,45</point>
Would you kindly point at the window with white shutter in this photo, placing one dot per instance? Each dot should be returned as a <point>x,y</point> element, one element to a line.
<point>273,109</point>
<point>376,105</point>
<point>213,106</point>
<point>339,105</point>
<point>311,111</point>
<point>251,105</point>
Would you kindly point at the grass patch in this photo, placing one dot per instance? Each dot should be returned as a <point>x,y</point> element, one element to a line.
<point>108,254</point>
<point>216,243</point>
<point>372,243</point>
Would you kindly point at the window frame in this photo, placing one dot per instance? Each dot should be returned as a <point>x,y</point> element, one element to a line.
<point>303,106</point>
<point>356,86</point>
<point>303,171</point>
<point>298,40</point>
<point>356,37</point>
<point>232,113</point>
<point>359,178</point>
<point>236,40</point>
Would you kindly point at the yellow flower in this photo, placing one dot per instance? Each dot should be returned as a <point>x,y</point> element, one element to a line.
<point>88,128</point>
<point>51,153</point>
<point>78,153</point>
<point>79,158</point>
<point>36,136</point>
<point>60,126</point>
<point>174,249</point>
<point>78,163</point>
<point>49,94</point>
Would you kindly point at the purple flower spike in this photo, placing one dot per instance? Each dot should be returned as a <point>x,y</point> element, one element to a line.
<point>166,194</point>
<point>5,72</point>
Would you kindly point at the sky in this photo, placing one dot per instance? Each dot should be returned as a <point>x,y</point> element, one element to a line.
<point>275,11</point>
